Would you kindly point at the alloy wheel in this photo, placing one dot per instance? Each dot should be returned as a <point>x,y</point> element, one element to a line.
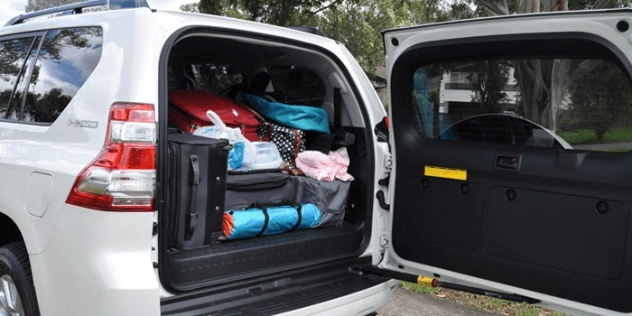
<point>10,302</point>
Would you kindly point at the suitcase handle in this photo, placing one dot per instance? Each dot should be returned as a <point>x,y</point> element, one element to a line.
<point>191,219</point>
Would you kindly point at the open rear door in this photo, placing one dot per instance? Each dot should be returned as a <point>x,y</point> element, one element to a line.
<point>511,140</point>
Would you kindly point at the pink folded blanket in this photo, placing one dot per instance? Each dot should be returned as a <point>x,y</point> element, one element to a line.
<point>325,167</point>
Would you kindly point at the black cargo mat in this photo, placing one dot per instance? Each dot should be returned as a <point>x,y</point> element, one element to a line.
<point>237,260</point>
<point>273,294</point>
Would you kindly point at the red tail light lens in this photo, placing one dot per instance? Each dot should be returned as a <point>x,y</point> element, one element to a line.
<point>123,176</point>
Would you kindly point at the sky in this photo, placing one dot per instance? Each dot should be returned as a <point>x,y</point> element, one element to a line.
<point>11,8</point>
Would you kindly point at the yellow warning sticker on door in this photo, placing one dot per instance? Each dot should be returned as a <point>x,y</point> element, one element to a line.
<point>447,173</point>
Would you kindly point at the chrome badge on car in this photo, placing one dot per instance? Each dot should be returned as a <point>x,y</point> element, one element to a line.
<point>80,123</point>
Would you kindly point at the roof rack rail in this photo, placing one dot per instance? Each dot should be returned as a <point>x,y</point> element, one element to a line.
<point>75,8</point>
<point>308,29</point>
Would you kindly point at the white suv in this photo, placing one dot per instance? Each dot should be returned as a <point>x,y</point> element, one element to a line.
<point>486,202</point>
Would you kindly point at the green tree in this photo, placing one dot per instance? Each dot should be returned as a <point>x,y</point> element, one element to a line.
<point>544,84</point>
<point>489,81</point>
<point>355,23</point>
<point>600,100</point>
<point>36,5</point>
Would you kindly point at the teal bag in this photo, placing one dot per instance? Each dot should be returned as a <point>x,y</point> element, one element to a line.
<point>303,117</point>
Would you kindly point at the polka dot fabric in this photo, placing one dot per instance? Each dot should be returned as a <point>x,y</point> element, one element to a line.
<point>289,141</point>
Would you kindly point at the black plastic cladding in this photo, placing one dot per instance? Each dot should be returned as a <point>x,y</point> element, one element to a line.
<point>486,257</point>
<point>161,159</point>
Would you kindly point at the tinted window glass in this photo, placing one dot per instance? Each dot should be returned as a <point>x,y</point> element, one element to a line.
<point>65,61</point>
<point>299,85</point>
<point>567,103</point>
<point>12,58</point>
<point>216,78</point>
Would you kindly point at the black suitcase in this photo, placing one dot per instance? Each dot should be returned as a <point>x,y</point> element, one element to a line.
<point>197,183</point>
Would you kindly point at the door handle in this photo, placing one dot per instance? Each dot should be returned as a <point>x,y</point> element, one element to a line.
<point>507,162</point>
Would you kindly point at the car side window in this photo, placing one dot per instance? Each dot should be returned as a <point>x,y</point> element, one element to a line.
<point>13,56</point>
<point>65,61</point>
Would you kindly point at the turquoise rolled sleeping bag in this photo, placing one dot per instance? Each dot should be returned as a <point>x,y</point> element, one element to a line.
<point>256,221</point>
<point>303,117</point>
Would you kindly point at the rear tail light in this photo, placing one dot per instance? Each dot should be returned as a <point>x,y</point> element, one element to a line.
<point>123,176</point>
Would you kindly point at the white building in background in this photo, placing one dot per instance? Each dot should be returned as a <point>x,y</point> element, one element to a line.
<point>457,92</point>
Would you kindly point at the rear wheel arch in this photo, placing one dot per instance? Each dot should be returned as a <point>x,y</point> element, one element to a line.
<point>9,230</point>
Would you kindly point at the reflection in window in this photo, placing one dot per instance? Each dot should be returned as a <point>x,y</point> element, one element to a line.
<point>66,59</point>
<point>561,103</point>
<point>12,57</point>
<point>15,105</point>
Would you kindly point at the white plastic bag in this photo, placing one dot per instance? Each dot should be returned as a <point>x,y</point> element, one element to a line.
<point>241,156</point>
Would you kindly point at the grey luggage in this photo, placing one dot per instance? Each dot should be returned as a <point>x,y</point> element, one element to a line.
<point>329,197</point>
<point>243,189</point>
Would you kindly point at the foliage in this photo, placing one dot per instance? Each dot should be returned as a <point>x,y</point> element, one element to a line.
<point>489,80</point>
<point>191,7</point>
<point>282,13</point>
<point>489,304</point>
<point>544,83</point>
<point>357,24</point>
<point>588,136</point>
<point>601,99</point>
<point>417,288</point>
<point>36,5</point>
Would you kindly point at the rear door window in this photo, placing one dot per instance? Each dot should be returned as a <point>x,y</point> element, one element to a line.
<point>581,104</point>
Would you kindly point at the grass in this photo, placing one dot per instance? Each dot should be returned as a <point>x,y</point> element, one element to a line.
<point>492,305</point>
<point>586,136</point>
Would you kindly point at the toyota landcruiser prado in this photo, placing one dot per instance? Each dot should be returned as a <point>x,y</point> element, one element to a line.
<point>503,168</point>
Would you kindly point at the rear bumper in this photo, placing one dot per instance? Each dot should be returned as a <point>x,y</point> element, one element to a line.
<point>97,263</point>
<point>327,289</point>
<point>357,304</point>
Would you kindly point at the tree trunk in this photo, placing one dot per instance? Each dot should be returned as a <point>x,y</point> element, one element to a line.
<point>560,82</point>
<point>529,6</point>
<point>496,7</point>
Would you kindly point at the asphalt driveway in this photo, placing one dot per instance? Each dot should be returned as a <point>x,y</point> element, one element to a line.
<point>405,303</point>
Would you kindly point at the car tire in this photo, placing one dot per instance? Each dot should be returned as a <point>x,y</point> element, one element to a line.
<point>16,278</point>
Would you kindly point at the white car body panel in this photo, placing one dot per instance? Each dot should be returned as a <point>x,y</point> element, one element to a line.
<point>87,262</point>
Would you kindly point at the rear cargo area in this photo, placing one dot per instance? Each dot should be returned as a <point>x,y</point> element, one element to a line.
<point>221,223</point>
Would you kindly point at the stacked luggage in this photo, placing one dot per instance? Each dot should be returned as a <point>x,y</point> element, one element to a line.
<point>308,189</point>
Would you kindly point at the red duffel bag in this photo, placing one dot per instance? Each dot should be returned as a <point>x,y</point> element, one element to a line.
<point>187,111</point>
